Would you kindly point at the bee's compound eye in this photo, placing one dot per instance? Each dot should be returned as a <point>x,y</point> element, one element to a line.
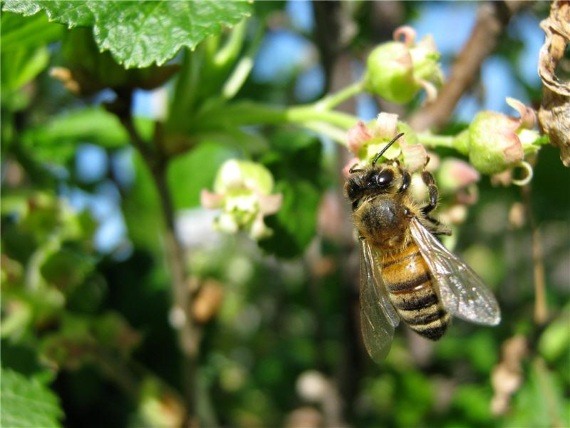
<point>384,178</point>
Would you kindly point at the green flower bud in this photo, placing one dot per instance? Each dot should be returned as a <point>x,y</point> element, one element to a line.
<point>497,143</point>
<point>398,70</point>
<point>390,73</point>
<point>238,174</point>
<point>493,143</point>
<point>427,71</point>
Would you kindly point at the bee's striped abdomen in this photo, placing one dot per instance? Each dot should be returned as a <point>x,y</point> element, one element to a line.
<point>409,284</point>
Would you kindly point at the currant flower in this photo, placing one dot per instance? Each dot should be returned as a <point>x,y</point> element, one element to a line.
<point>242,192</point>
<point>366,141</point>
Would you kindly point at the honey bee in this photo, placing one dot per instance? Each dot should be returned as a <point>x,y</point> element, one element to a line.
<point>405,271</point>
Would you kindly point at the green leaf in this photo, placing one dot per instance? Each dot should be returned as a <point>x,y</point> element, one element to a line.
<point>90,125</point>
<point>23,358</point>
<point>142,210</point>
<point>21,66</point>
<point>135,32</point>
<point>141,33</point>
<point>541,401</point>
<point>72,13</point>
<point>27,402</point>
<point>57,140</point>
<point>295,163</point>
<point>67,268</point>
<point>555,340</point>
<point>190,173</point>
<point>19,32</point>
<point>24,54</point>
<point>295,224</point>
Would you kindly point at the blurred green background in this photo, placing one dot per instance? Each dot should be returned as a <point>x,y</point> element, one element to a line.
<point>87,324</point>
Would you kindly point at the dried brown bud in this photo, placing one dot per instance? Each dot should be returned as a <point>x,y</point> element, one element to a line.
<point>208,301</point>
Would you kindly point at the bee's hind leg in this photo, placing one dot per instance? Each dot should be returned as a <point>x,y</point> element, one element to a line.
<point>428,180</point>
<point>432,224</point>
<point>435,226</point>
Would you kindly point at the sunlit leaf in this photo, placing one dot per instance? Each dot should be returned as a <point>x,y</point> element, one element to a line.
<point>27,403</point>
<point>295,164</point>
<point>195,170</point>
<point>540,402</point>
<point>22,66</point>
<point>295,224</point>
<point>19,32</point>
<point>58,139</point>
<point>134,31</point>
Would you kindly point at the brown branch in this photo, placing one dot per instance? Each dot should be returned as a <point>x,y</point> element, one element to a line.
<point>188,331</point>
<point>492,19</point>
<point>327,30</point>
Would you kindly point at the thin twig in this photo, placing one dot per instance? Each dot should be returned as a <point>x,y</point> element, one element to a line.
<point>540,306</point>
<point>188,330</point>
<point>491,21</point>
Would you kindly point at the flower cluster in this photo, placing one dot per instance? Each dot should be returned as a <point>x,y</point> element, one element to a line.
<point>242,191</point>
<point>456,178</point>
<point>365,141</point>
<point>398,70</point>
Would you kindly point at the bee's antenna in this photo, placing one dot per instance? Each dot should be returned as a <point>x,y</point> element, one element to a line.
<point>381,152</point>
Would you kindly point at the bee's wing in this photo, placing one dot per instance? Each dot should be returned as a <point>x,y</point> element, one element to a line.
<point>462,291</point>
<point>378,317</point>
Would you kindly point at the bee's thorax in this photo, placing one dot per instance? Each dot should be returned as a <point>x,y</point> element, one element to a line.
<point>384,222</point>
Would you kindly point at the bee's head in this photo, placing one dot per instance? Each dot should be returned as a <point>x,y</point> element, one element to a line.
<point>374,179</point>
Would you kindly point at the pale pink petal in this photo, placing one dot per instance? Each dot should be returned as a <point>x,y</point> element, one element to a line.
<point>428,43</point>
<point>350,164</point>
<point>455,214</point>
<point>405,34</point>
<point>270,204</point>
<point>527,114</point>
<point>468,195</point>
<point>513,152</point>
<point>211,200</point>
<point>431,90</point>
<point>462,172</point>
<point>415,156</point>
<point>504,178</point>
<point>386,125</point>
<point>357,136</point>
<point>433,163</point>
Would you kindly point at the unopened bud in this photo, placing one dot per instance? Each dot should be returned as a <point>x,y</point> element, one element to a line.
<point>498,142</point>
<point>493,143</point>
<point>398,70</point>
